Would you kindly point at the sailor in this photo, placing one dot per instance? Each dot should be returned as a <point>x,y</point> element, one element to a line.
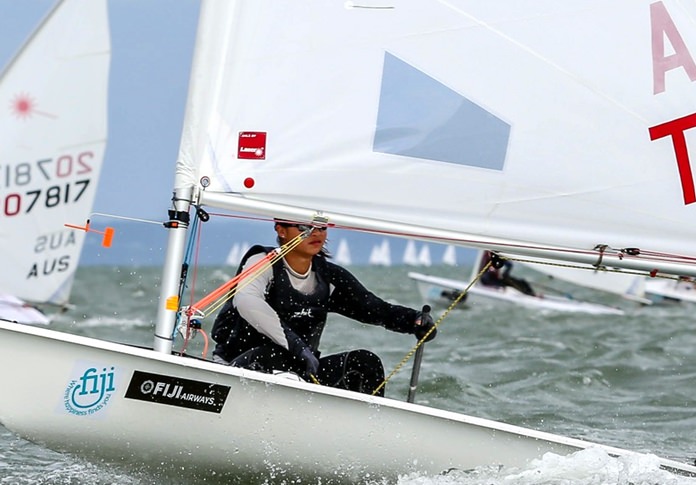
<point>275,321</point>
<point>498,275</point>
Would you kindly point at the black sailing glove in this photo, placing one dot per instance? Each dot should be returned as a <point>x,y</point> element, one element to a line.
<point>424,322</point>
<point>303,352</point>
<point>310,361</point>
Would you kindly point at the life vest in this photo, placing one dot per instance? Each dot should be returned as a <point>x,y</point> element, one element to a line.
<point>304,314</point>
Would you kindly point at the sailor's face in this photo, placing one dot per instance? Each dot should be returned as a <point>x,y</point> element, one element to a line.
<point>313,244</point>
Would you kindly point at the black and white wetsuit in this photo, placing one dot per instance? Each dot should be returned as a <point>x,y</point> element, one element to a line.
<point>274,317</point>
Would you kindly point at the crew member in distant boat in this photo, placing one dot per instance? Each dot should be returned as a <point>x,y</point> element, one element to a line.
<point>499,275</point>
<point>275,322</point>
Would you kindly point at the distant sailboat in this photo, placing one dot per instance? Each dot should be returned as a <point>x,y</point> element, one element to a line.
<point>449,257</point>
<point>236,252</point>
<point>342,256</point>
<point>504,293</point>
<point>410,254</point>
<point>424,256</point>
<point>381,254</point>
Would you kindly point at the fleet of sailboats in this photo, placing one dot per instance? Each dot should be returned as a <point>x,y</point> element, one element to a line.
<point>374,119</point>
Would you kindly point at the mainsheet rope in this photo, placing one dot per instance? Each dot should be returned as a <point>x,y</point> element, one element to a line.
<point>442,317</point>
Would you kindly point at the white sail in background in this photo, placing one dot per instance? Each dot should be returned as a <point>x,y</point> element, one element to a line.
<point>424,256</point>
<point>342,255</point>
<point>410,257</point>
<point>449,257</point>
<point>237,251</point>
<point>53,129</point>
<point>381,254</point>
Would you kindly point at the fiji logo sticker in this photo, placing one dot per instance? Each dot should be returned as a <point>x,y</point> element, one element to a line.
<point>89,391</point>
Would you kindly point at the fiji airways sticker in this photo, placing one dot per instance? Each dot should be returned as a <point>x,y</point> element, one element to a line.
<point>90,389</point>
<point>252,145</point>
<point>176,391</point>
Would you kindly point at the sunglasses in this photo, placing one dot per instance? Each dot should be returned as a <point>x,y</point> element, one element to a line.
<point>308,227</point>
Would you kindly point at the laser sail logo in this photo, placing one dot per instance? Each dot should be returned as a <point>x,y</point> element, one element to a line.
<point>90,391</point>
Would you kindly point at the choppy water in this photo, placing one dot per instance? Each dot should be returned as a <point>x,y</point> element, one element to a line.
<point>625,381</point>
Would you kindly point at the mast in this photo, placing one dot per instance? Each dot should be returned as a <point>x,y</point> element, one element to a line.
<point>168,304</point>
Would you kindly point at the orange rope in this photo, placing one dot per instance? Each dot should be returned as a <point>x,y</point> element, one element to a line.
<point>225,287</point>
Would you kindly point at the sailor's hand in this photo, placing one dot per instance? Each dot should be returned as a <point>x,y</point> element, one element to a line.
<point>310,361</point>
<point>425,326</point>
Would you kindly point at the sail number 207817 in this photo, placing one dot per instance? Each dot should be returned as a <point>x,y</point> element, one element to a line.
<point>49,183</point>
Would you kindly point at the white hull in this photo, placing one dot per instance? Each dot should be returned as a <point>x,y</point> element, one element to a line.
<point>659,290</point>
<point>430,288</point>
<point>266,423</point>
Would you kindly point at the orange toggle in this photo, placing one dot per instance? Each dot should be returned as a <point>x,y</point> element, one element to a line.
<point>108,233</point>
<point>172,303</point>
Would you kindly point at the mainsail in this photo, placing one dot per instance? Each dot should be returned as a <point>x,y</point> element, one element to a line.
<point>560,131</point>
<point>53,128</point>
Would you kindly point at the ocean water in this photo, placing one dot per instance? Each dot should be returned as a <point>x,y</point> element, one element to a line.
<point>620,380</point>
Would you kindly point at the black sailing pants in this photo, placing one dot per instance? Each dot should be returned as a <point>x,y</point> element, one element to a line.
<point>355,370</point>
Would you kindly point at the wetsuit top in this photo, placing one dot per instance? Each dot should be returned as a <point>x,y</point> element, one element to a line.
<point>290,309</point>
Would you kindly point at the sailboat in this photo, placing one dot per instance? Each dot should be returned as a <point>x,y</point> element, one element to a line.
<point>424,256</point>
<point>236,252</point>
<point>440,289</point>
<point>53,131</point>
<point>381,254</point>
<point>514,126</point>
<point>410,257</point>
<point>449,256</point>
<point>342,256</point>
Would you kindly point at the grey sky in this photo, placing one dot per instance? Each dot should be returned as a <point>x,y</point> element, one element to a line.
<point>152,44</point>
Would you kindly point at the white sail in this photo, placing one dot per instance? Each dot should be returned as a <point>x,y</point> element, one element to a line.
<point>237,251</point>
<point>233,256</point>
<point>424,256</point>
<point>342,255</point>
<point>53,129</point>
<point>498,162</point>
<point>449,257</point>
<point>381,254</point>
<point>410,257</point>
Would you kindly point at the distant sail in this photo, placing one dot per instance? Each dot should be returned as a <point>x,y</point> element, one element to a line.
<point>236,252</point>
<point>343,253</point>
<point>449,257</point>
<point>424,256</point>
<point>411,254</point>
<point>381,254</point>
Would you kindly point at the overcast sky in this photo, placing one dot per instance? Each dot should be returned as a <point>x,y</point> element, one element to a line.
<point>152,45</point>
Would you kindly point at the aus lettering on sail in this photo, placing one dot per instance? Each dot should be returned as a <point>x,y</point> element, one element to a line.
<point>671,53</point>
<point>52,253</point>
